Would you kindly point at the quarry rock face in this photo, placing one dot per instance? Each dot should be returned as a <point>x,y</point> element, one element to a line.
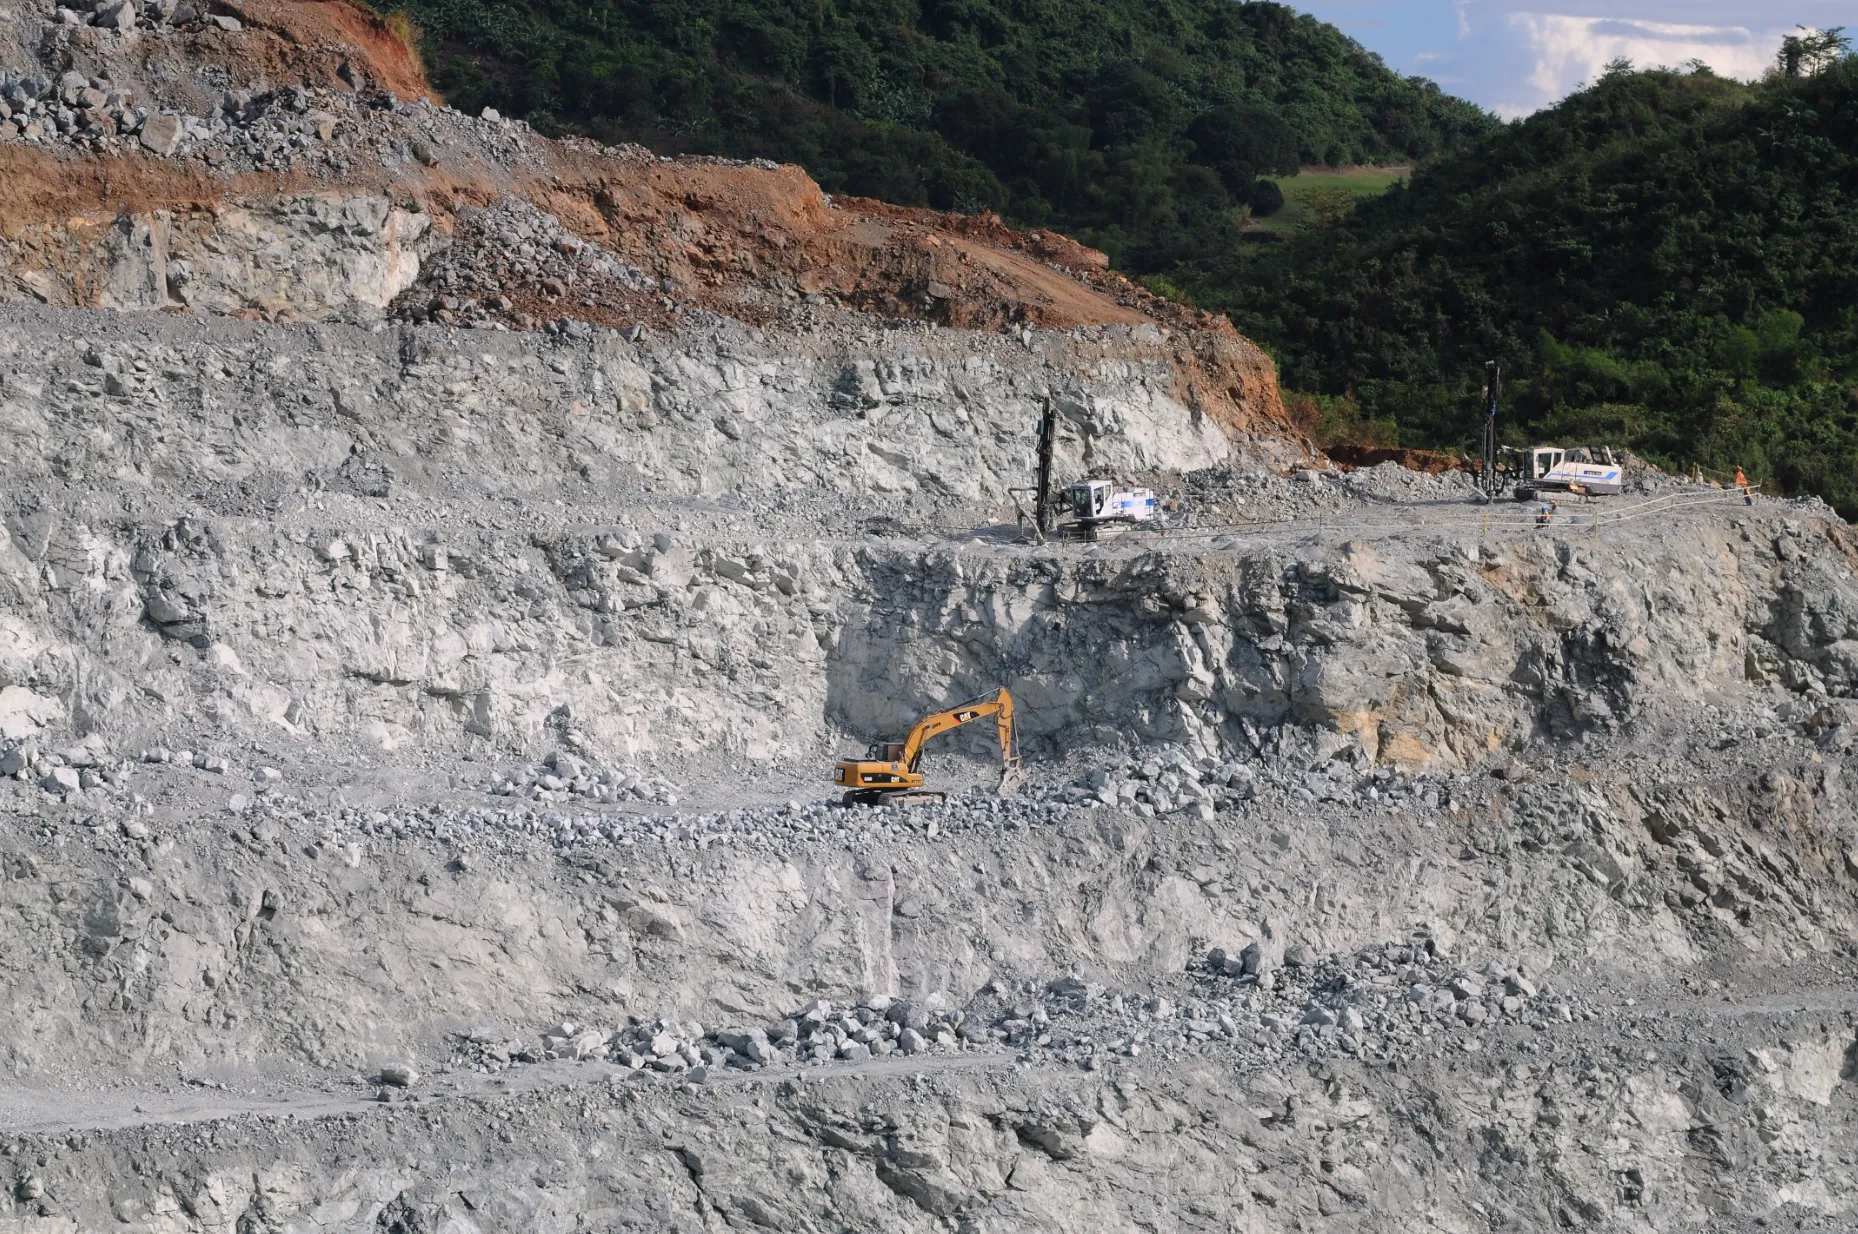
<point>267,475</point>
<point>310,257</point>
<point>439,568</point>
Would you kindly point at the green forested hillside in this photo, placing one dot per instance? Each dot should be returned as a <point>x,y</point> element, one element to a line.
<point>1140,126</point>
<point>1666,259</point>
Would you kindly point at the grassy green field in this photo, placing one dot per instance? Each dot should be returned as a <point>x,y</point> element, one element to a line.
<point>1316,191</point>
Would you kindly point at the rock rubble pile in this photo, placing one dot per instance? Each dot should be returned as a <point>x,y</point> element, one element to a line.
<point>1170,780</point>
<point>127,15</point>
<point>88,767</point>
<point>818,1033</point>
<point>85,767</point>
<point>1218,497</point>
<point>1288,763</point>
<point>1391,1003</point>
<point>561,776</point>
<point>511,263</point>
<point>314,131</point>
<point>790,827</point>
<point>1396,1002</point>
<point>1382,1001</point>
<point>84,111</point>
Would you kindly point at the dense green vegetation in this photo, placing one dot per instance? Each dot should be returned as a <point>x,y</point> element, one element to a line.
<point>1139,126</point>
<point>1666,259</point>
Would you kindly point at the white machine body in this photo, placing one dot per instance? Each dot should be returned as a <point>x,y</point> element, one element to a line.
<point>1551,467</point>
<point>1095,501</point>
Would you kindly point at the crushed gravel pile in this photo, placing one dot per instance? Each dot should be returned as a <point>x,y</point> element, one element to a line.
<point>511,262</point>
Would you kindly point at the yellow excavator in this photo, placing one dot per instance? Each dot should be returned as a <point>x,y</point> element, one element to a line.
<point>891,773</point>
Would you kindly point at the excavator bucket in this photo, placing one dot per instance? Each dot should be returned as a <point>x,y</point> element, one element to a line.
<point>1011,777</point>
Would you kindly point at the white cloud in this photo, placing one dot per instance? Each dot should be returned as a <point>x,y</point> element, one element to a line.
<point>1517,56</point>
<point>1564,50</point>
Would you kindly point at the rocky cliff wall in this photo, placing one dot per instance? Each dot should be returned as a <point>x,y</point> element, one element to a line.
<point>401,538</point>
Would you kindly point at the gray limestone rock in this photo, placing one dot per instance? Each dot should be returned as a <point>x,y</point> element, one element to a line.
<point>161,134</point>
<point>61,780</point>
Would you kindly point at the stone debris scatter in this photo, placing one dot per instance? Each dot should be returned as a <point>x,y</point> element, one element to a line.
<point>75,107</point>
<point>277,130</point>
<point>1396,1003</point>
<point>560,776</point>
<point>511,261</point>
<point>82,767</point>
<point>818,1034</point>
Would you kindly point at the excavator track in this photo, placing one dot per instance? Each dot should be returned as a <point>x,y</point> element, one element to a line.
<point>878,797</point>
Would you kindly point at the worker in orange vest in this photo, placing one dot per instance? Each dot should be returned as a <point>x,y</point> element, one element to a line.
<point>1741,482</point>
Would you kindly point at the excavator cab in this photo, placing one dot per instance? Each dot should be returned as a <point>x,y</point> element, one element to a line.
<point>890,773</point>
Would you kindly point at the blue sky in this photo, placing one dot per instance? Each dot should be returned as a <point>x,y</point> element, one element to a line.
<point>1514,56</point>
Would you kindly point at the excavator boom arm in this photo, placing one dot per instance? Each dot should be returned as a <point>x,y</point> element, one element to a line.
<point>1000,706</point>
